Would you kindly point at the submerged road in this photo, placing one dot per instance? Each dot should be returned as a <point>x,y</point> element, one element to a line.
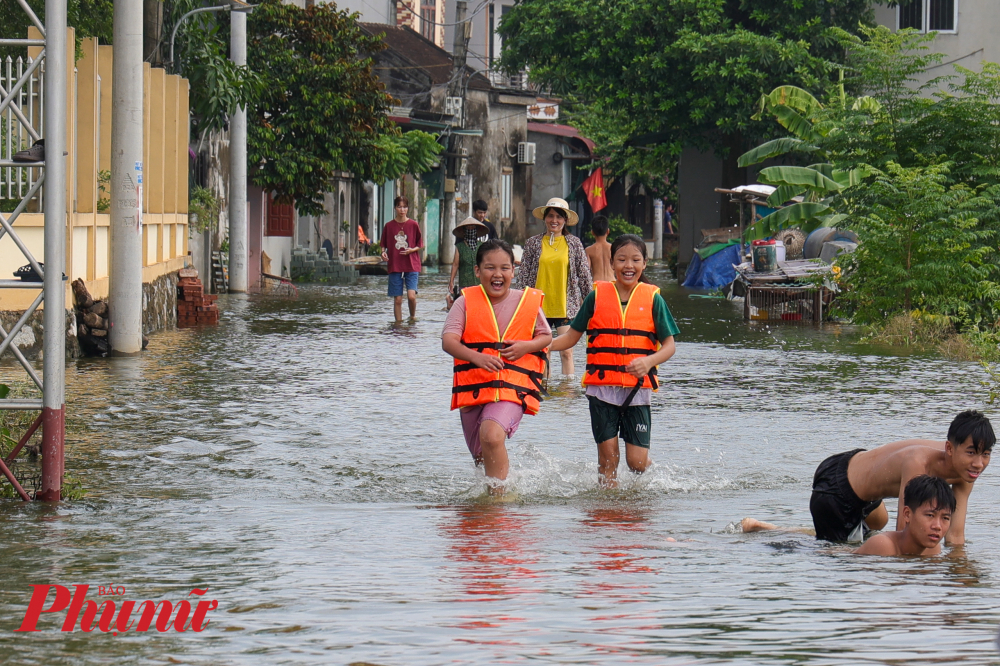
<point>300,462</point>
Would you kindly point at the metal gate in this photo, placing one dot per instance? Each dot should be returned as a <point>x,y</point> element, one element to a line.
<point>26,117</point>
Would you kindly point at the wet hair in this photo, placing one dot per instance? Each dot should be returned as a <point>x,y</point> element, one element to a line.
<point>630,239</point>
<point>561,213</point>
<point>493,245</point>
<point>923,489</point>
<point>599,226</point>
<point>401,200</point>
<point>971,423</point>
<point>479,204</point>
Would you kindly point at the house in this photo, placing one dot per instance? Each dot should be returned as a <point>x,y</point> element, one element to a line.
<point>417,72</point>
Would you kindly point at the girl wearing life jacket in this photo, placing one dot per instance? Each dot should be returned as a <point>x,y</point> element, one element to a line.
<point>498,337</point>
<point>630,331</point>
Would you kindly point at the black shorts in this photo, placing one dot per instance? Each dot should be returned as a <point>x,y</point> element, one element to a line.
<point>556,322</point>
<point>607,421</point>
<point>836,509</point>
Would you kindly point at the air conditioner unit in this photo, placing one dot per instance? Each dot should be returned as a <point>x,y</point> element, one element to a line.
<point>525,153</point>
<point>453,106</point>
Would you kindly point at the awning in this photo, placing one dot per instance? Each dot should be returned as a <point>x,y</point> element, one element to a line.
<point>560,130</point>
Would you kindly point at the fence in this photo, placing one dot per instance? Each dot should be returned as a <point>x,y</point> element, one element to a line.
<point>88,144</point>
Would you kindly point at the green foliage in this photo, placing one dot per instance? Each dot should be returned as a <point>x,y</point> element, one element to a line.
<point>201,52</point>
<point>317,107</point>
<point>412,152</point>
<point>104,191</point>
<point>375,250</point>
<point>617,225</point>
<point>688,70</point>
<point>925,244</point>
<point>204,207</point>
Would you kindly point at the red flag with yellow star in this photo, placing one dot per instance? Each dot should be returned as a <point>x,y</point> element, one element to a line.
<point>594,189</point>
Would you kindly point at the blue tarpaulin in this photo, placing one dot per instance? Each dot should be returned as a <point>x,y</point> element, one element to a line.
<point>714,272</point>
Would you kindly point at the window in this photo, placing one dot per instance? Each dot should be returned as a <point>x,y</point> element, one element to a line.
<point>506,183</point>
<point>924,15</point>
<point>428,14</point>
<point>280,218</point>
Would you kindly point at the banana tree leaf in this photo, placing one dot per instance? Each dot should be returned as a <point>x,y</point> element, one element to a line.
<point>805,216</point>
<point>789,96</point>
<point>850,178</point>
<point>784,193</point>
<point>824,168</point>
<point>796,124</point>
<point>774,148</point>
<point>866,103</point>
<point>802,176</point>
<point>830,220</point>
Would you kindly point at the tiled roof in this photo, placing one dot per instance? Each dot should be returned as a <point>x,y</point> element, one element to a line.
<point>422,52</point>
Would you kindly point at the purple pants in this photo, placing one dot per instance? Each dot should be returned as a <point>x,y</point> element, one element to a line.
<point>507,414</point>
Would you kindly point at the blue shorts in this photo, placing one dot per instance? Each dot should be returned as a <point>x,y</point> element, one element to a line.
<point>396,282</point>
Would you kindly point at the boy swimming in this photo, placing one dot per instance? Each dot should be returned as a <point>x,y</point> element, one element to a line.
<point>630,331</point>
<point>848,488</point>
<point>928,506</point>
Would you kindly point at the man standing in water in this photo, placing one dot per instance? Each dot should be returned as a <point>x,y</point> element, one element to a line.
<point>401,245</point>
<point>928,504</point>
<point>849,487</point>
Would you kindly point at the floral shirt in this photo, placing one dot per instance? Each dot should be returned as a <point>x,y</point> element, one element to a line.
<point>580,280</point>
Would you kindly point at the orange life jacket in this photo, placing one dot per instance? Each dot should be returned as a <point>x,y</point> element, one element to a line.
<point>615,337</point>
<point>519,381</point>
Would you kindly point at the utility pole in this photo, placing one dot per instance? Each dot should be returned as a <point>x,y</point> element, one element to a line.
<point>125,293</point>
<point>54,316</point>
<point>239,234</point>
<point>456,88</point>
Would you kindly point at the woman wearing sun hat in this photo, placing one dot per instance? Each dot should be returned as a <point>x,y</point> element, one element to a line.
<point>468,236</point>
<point>555,263</point>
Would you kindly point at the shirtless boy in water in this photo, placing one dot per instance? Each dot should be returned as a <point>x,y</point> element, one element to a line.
<point>599,253</point>
<point>848,488</point>
<point>928,505</point>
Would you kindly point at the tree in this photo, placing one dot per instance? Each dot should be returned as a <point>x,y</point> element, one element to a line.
<point>317,107</point>
<point>91,18</point>
<point>686,72</point>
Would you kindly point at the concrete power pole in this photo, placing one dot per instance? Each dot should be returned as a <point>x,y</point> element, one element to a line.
<point>125,297</point>
<point>239,234</point>
<point>456,88</point>
<point>58,60</point>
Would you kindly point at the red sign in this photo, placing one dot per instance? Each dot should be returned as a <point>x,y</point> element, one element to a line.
<point>87,615</point>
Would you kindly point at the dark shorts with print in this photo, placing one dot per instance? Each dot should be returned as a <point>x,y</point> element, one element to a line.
<point>836,509</point>
<point>607,421</point>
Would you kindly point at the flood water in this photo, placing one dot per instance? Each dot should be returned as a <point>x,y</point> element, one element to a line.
<point>300,461</point>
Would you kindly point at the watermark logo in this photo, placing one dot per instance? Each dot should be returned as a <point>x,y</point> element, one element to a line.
<point>86,615</point>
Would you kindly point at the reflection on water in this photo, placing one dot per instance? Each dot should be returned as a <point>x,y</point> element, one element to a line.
<point>301,462</point>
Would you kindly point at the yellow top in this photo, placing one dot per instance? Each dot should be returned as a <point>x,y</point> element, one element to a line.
<point>553,276</point>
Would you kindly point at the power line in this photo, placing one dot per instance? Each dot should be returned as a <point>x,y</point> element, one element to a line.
<point>482,6</point>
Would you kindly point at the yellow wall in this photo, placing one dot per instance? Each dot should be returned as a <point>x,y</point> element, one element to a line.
<point>165,179</point>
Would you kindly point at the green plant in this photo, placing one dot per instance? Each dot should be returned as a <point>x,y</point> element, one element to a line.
<point>679,73</point>
<point>203,209</point>
<point>104,191</point>
<point>317,106</point>
<point>374,250</point>
<point>924,245</point>
<point>617,225</point>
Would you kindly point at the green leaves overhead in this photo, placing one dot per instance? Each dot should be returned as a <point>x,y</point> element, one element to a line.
<point>690,70</point>
<point>805,177</point>
<point>317,107</point>
<point>774,148</point>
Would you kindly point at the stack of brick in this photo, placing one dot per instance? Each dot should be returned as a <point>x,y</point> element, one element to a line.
<point>194,306</point>
<point>309,266</point>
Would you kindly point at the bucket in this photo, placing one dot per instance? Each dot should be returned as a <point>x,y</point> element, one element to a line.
<point>779,250</point>
<point>765,256</point>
